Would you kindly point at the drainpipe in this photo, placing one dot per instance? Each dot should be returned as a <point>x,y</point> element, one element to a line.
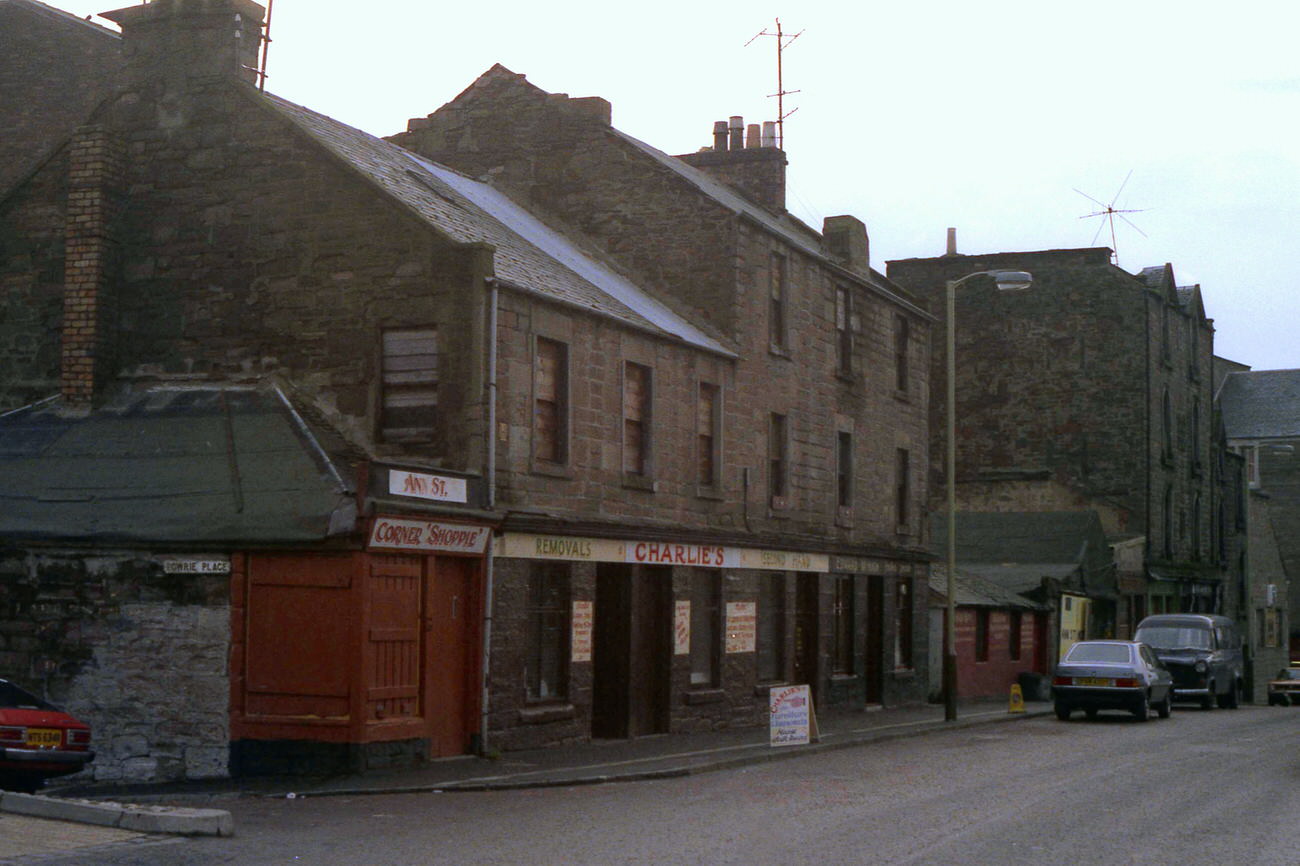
<point>491,501</point>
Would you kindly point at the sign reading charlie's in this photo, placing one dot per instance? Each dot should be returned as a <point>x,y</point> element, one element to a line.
<point>403,533</point>
<point>793,722</point>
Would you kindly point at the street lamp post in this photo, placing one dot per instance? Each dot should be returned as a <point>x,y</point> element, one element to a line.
<point>1007,281</point>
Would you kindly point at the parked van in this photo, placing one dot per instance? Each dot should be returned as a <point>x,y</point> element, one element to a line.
<point>1203,652</point>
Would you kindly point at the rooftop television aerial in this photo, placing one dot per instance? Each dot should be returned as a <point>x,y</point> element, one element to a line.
<point>1108,213</point>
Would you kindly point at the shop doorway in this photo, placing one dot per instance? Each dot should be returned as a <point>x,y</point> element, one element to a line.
<point>632,650</point>
<point>806,633</point>
<point>874,668</point>
<point>451,629</point>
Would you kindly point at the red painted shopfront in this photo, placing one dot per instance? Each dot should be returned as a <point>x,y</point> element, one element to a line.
<point>363,647</point>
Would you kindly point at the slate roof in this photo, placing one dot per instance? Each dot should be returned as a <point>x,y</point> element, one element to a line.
<point>1261,404</point>
<point>170,465</point>
<point>530,255</point>
<point>974,590</point>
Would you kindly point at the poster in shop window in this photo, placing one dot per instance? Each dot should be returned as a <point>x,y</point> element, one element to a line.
<point>742,626</point>
<point>583,617</point>
<point>682,629</point>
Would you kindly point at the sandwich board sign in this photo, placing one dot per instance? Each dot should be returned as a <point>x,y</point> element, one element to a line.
<point>793,719</point>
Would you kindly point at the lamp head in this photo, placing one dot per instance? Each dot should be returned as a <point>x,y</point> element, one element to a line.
<point>1013,281</point>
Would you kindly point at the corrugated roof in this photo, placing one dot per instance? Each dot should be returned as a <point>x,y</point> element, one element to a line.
<point>529,254</point>
<point>213,465</point>
<point>1261,404</point>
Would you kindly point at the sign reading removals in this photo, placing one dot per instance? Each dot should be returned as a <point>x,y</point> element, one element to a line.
<point>404,533</point>
<point>793,722</point>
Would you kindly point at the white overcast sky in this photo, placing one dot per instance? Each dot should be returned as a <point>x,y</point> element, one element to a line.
<point>913,116</point>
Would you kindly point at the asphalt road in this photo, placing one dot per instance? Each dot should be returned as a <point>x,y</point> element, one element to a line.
<point>1217,787</point>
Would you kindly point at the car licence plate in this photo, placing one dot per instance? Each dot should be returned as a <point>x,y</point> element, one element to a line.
<point>1093,681</point>
<point>44,738</point>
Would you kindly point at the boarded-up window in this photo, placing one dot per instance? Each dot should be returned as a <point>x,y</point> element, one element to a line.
<point>706,425</point>
<point>550,404</point>
<point>636,419</point>
<point>410,384</point>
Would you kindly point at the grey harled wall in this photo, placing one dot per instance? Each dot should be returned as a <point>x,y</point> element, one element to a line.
<point>139,655</point>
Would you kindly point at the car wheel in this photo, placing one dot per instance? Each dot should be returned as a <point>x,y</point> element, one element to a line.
<point>1092,714</point>
<point>1165,707</point>
<point>1062,712</point>
<point>1142,712</point>
<point>21,783</point>
<point>1234,696</point>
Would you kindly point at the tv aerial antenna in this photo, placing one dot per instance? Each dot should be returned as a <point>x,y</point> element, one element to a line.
<point>1108,213</point>
<point>782,42</point>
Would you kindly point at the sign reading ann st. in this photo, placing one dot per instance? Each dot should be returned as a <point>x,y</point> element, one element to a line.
<point>439,488</point>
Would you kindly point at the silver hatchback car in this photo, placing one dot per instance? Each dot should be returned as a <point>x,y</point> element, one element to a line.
<point>1112,675</point>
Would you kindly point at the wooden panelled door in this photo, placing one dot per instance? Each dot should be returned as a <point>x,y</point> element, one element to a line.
<point>451,612</point>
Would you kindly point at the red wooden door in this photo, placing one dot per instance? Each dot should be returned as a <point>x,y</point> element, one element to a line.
<point>451,614</point>
<point>393,639</point>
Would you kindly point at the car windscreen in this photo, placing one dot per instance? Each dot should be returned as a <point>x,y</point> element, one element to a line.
<point>1173,637</point>
<point>14,698</point>
<point>1101,653</point>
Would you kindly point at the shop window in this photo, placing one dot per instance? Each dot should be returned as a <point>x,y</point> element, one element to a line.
<point>903,612</point>
<point>778,288</point>
<point>550,403</point>
<point>409,379</point>
<point>706,627</point>
<point>776,457</point>
<point>844,469</point>
<point>842,625</point>
<point>982,635</point>
<point>902,345</point>
<point>708,421</point>
<point>636,419</point>
<point>1013,636</point>
<point>548,631</point>
<point>771,627</point>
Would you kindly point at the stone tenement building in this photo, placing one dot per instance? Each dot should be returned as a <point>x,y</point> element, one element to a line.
<point>1093,390</point>
<point>1261,420</point>
<point>388,462</point>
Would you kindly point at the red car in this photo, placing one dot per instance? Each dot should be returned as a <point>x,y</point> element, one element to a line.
<point>37,740</point>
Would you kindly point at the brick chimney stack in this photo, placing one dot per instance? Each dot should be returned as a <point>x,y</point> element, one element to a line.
<point>747,160</point>
<point>90,254</point>
<point>187,41</point>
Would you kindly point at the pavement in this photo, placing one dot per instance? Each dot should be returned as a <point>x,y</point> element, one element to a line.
<point>190,808</point>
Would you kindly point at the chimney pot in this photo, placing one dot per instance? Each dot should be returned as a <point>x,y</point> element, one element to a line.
<point>737,128</point>
<point>952,241</point>
<point>753,137</point>
<point>769,133</point>
<point>720,135</point>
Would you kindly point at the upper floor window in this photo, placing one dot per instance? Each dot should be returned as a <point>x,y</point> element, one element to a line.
<point>636,419</point>
<point>1164,331</point>
<point>844,330</point>
<point>708,421</point>
<point>844,469</point>
<point>902,340</point>
<point>778,290</point>
<point>1194,443</point>
<point>409,377</point>
<point>1167,523</point>
<point>1252,466</point>
<point>776,456</point>
<point>550,401</point>
<point>902,485</point>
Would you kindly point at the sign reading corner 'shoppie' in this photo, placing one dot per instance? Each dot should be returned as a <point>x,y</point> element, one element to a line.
<point>526,546</point>
<point>404,533</point>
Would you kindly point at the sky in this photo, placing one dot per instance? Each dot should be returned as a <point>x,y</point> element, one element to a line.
<point>1010,121</point>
